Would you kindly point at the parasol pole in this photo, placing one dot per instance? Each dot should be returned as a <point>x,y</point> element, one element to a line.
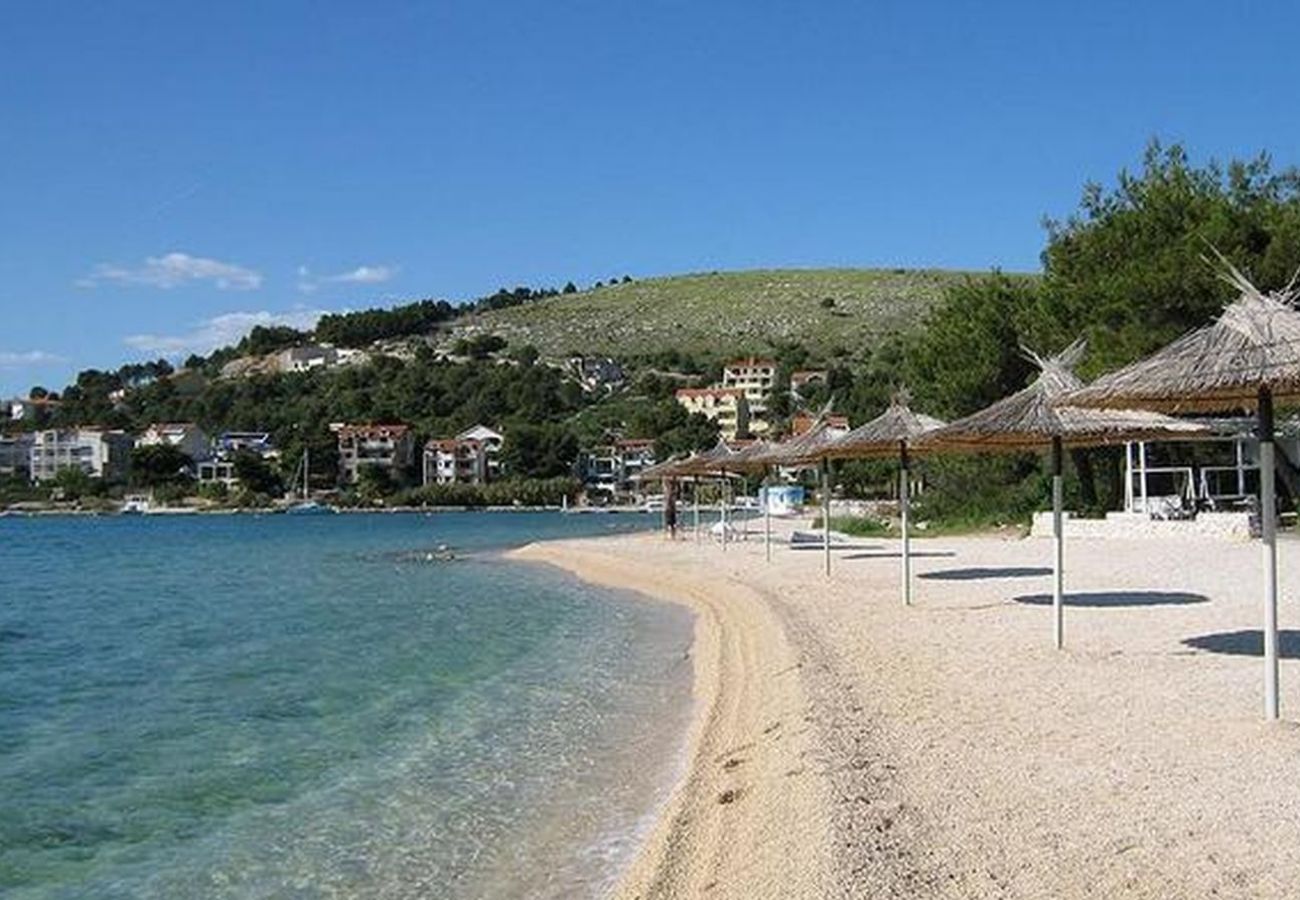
<point>826,515</point>
<point>904,502</point>
<point>1268,534</point>
<point>1058,539</point>
<point>722,512</point>
<point>767,515</point>
<point>695,495</point>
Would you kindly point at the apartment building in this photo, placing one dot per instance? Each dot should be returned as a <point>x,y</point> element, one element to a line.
<point>755,377</point>
<point>97,452</point>
<point>389,447</point>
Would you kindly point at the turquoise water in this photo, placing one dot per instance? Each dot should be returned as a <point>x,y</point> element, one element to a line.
<point>312,707</point>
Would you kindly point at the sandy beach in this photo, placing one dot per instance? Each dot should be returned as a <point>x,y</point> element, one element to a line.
<point>844,745</point>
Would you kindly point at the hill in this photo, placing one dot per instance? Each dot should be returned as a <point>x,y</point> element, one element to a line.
<point>826,310</point>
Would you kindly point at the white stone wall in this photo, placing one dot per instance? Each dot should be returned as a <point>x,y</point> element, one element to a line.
<point>1235,526</point>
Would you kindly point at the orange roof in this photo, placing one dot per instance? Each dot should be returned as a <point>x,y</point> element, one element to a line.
<point>373,430</point>
<point>751,362</point>
<point>801,422</point>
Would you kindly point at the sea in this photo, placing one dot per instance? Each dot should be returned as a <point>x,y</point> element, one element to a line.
<point>326,706</point>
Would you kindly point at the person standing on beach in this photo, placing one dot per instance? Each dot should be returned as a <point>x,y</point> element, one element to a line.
<point>670,508</point>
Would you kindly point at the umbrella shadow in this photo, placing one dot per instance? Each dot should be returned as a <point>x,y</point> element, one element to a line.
<point>915,554</point>
<point>1113,599</point>
<point>834,547</point>
<point>977,573</point>
<point>1247,642</point>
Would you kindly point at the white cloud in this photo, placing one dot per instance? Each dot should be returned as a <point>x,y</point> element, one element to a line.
<point>221,331</point>
<point>10,359</point>
<point>175,269</point>
<point>377,274</point>
<point>365,275</point>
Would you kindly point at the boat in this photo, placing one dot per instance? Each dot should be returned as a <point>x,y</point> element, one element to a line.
<point>135,505</point>
<point>305,505</point>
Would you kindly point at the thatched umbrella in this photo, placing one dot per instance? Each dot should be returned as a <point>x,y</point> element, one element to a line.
<point>1033,418</point>
<point>669,472</point>
<point>888,433</point>
<point>1248,358</point>
<point>805,450</point>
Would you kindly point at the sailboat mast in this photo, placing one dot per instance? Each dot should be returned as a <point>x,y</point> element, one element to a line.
<point>306,472</point>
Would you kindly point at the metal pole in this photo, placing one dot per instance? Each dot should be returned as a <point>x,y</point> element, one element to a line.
<point>904,502</point>
<point>826,514</point>
<point>1142,475</point>
<point>1268,534</point>
<point>695,495</point>
<point>1128,477</point>
<point>722,513</point>
<point>767,518</point>
<point>1058,537</point>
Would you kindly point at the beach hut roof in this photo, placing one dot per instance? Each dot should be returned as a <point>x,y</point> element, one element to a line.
<point>883,434</point>
<point>1254,343</point>
<point>1032,417</point>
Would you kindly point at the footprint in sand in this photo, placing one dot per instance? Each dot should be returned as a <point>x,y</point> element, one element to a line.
<point>730,795</point>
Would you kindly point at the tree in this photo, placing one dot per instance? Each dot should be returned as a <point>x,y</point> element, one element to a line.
<point>1129,269</point>
<point>539,451</point>
<point>968,353</point>
<point>374,482</point>
<point>255,474</point>
<point>73,483</point>
<point>156,465</point>
<point>570,288</point>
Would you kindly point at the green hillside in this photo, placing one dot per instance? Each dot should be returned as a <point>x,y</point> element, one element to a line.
<point>722,312</point>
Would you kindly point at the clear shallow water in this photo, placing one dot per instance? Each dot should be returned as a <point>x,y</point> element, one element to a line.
<point>308,707</point>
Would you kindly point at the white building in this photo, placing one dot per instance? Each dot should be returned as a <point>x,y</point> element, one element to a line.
<point>98,453</point>
<point>755,377</point>
<point>302,359</point>
<point>471,457</point>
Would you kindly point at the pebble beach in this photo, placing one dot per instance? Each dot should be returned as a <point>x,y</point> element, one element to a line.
<point>844,745</point>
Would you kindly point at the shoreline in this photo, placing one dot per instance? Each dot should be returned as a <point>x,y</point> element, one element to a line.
<point>745,737</point>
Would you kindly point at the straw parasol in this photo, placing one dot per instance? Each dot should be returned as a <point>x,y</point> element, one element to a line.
<point>888,433</point>
<point>806,450</point>
<point>1034,418</point>
<point>1248,358</point>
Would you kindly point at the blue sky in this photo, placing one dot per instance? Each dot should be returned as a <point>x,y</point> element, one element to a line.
<point>174,173</point>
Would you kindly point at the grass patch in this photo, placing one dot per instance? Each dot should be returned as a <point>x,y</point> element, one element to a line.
<point>724,312</point>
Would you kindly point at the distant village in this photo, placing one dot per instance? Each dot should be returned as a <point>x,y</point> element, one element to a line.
<point>604,473</point>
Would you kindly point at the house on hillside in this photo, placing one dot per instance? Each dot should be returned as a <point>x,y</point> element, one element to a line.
<point>186,437</point>
<point>310,356</point>
<point>219,467</point>
<point>100,453</point>
<point>755,377</point>
<point>16,455</point>
<point>471,457</point>
<point>804,377</point>
<point>800,422</point>
<point>597,373</point>
<point>388,447</point>
<point>27,409</point>
<point>727,406</point>
<point>607,470</point>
